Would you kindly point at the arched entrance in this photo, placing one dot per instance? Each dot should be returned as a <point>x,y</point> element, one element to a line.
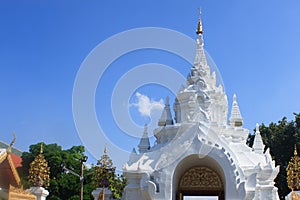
<point>200,181</point>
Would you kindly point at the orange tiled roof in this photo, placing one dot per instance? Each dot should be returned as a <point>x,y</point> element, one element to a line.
<point>16,159</point>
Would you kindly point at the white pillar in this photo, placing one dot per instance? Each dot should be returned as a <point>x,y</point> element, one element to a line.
<point>97,194</point>
<point>40,192</point>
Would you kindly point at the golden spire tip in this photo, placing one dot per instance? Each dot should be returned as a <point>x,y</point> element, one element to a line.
<point>199,27</point>
<point>11,144</point>
<point>295,150</point>
<point>41,148</point>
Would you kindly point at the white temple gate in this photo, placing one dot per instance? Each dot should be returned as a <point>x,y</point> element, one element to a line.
<point>200,152</point>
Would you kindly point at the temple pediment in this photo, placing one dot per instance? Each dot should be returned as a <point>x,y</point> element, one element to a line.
<point>10,182</point>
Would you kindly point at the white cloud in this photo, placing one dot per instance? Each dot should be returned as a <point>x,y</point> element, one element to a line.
<point>146,105</point>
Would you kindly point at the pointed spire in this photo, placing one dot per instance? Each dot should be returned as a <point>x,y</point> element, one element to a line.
<point>162,119</point>
<point>41,148</point>
<point>293,172</point>
<point>39,171</point>
<point>144,142</point>
<point>199,27</point>
<point>235,117</point>
<point>258,145</point>
<point>166,116</point>
<point>200,59</point>
<point>169,120</point>
<point>177,111</point>
<point>133,151</point>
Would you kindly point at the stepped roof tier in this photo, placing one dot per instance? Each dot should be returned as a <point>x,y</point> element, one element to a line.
<point>10,182</point>
<point>201,142</point>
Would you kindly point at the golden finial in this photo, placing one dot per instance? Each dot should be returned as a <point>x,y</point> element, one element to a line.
<point>12,143</point>
<point>293,171</point>
<point>41,148</point>
<point>199,28</point>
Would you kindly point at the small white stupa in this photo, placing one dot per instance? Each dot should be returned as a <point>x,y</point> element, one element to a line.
<point>200,152</point>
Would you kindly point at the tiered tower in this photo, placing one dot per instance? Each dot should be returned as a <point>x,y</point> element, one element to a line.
<point>293,176</point>
<point>200,152</point>
<point>39,175</point>
<point>39,172</point>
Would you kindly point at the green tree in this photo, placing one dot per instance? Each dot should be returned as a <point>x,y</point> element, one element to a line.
<point>118,186</point>
<point>280,137</point>
<point>62,185</point>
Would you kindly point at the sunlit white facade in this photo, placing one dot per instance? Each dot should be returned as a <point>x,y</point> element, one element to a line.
<point>200,152</point>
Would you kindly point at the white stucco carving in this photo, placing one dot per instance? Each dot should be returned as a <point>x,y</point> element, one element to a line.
<point>201,137</point>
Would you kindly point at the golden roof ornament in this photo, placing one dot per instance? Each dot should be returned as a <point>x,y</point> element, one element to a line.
<point>293,172</point>
<point>11,144</point>
<point>199,27</point>
<point>41,148</point>
<point>39,172</point>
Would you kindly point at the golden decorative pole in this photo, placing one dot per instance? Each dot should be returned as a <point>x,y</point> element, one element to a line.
<point>39,172</point>
<point>293,172</point>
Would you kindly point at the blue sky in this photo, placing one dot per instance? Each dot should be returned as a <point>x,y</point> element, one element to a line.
<point>255,45</point>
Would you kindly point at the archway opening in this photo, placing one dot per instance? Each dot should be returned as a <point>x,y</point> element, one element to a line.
<point>198,179</point>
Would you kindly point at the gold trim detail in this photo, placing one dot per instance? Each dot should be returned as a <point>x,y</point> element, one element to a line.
<point>14,170</point>
<point>19,194</point>
<point>6,156</point>
<point>3,156</point>
<point>199,28</point>
<point>201,178</point>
